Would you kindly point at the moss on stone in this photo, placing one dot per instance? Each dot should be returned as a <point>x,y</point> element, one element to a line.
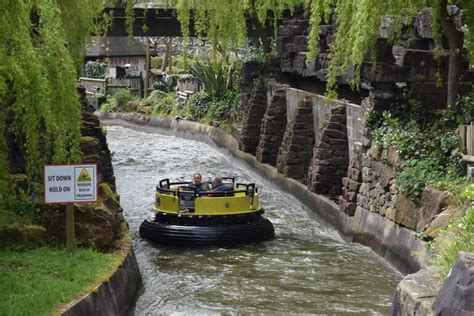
<point>22,235</point>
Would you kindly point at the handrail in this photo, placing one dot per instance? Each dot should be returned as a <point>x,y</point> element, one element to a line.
<point>160,190</point>
<point>223,193</point>
<point>165,184</point>
<point>178,183</point>
<point>229,178</point>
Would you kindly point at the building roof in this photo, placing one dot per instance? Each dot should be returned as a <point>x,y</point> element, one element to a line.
<point>114,46</point>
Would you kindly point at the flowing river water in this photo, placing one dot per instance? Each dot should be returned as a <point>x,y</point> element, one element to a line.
<point>306,269</point>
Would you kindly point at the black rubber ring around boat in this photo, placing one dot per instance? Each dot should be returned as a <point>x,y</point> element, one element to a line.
<point>257,230</point>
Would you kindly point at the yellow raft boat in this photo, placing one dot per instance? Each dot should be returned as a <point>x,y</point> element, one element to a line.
<point>185,216</point>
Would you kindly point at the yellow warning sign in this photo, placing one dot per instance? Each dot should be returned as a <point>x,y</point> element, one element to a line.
<point>84,176</point>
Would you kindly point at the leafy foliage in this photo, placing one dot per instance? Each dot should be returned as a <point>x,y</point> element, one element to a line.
<point>216,77</point>
<point>95,69</point>
<point>461,113</point>
<point>164,103</point>
<point>459,236</point>
<point>122,97</point>
<point>198,105</point>
<point>224,110</point>
<point>430,153</point>
<point>358,24</point>
<point>41,45</point>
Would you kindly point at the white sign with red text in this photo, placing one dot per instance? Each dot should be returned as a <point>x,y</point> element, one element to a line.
<point>70,183</point>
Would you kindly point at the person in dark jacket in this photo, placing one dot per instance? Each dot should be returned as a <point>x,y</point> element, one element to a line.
<point>198,184</point>
<point>218,186</point>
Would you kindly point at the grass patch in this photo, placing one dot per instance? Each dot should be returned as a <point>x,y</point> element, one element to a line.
<point>40,281</point>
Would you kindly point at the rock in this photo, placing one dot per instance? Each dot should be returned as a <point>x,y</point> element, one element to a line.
<point>416,293</point>
<point>99,225</point>
<point>390,214</point>
<point>457,294</point>
<point>393,157</point>
<point>375,151</point>
<point>386,176</point>
<point>90,145</point>
<point>432,203</point>
<point>440,222</point>
<point>405,211</point>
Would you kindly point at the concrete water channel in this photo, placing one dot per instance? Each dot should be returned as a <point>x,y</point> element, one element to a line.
<point>306,269</point>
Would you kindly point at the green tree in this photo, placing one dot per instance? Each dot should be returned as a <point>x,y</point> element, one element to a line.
<point>41,47</point>
<point>224,22</point>
<point>358,23</point>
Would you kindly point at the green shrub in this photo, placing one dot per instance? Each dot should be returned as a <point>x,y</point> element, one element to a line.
<point>106,107</point>
<point>217,78</point>
<point>461,113</point>
<point>416,174</point>
<point>180,64</point>
<point>123,96</point>
<point>430,153</point>
<point>198,105</point>
<point>164,103</point>
<point>225,109</point>
<point>156,95</point>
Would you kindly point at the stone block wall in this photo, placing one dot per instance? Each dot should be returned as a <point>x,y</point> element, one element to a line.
<point>378,192</point>
<point>251,70</point>
<point>350,188</point>
<point>273,128</point>
<point>295,152</point>
<point>252,121</point>
<point>321,108</point>
<point>406,68</point>
<point>330,158</point>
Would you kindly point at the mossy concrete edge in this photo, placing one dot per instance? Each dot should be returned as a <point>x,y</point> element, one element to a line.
<point>117,295</point>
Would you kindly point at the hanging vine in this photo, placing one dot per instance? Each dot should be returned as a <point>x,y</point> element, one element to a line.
<point>41,42</point>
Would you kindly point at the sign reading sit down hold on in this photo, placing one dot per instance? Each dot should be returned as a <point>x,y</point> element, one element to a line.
<point>70,183</point>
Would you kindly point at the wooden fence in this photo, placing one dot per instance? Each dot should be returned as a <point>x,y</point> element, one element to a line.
<point>132,85</point>
<point>94,87</point>
<point>466,136</point>
<point>187,86</point>
<point>101,87</point>
<point>188,83</point>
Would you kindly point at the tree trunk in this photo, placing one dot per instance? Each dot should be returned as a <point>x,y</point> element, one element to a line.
<point>455,40</point>
<point>147,68</point>
<point>170,55</point>
<point>262,31</point>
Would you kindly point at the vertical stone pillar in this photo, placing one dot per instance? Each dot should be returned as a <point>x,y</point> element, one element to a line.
<point>350,188</point>
<point>273,128</point>
<point>253,119</point>
<point>295,152</point>
<point>330,157</point>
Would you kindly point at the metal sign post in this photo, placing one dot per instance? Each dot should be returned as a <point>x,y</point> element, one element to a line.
<point>68,184</point>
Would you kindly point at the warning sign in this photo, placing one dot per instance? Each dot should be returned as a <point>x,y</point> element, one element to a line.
<point>84,176</point>
<point>70,183</point>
